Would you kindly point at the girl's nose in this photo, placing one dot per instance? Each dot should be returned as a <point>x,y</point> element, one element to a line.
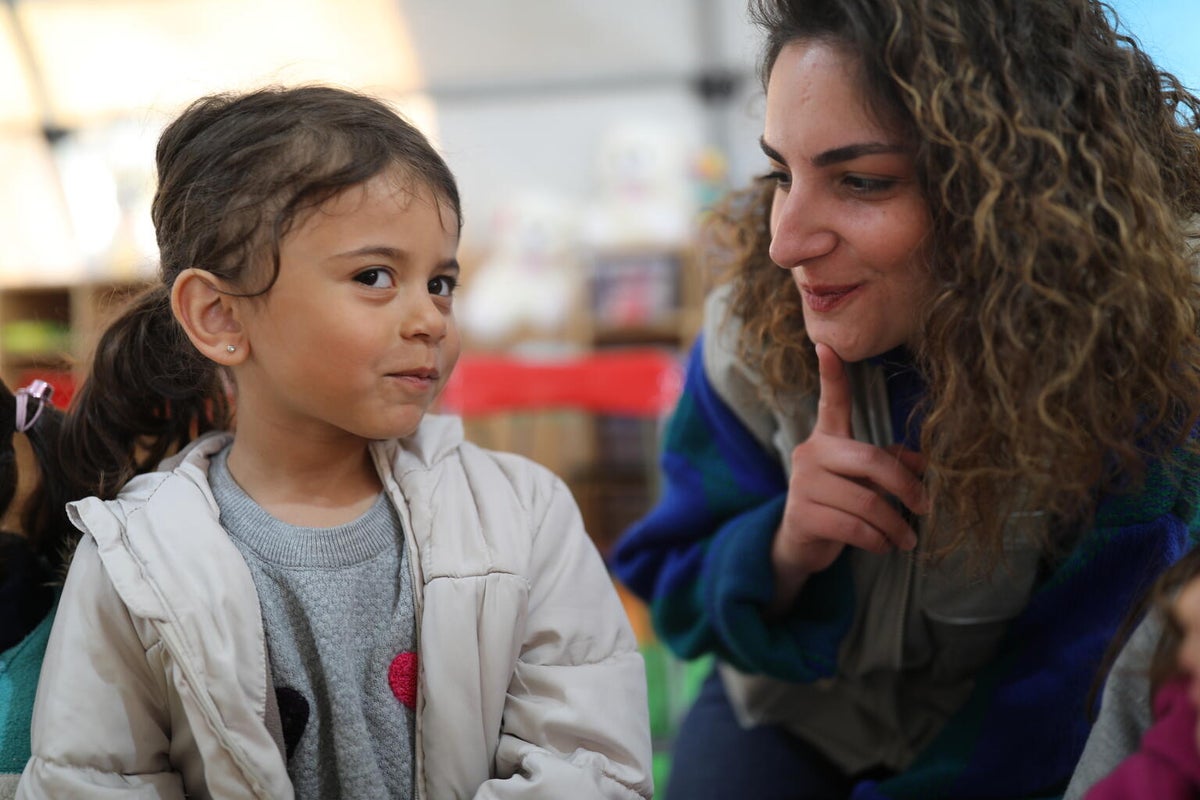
<point>800,231</point>
<point>424,318</point>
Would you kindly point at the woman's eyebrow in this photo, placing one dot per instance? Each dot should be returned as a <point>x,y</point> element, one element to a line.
<point>770,152</point>
<point>838,154</point>
<point>853,151</point>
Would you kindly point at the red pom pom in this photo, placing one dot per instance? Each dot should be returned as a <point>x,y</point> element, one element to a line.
<point>402,677</point>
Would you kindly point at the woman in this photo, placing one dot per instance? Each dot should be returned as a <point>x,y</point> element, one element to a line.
<point>918,474</point>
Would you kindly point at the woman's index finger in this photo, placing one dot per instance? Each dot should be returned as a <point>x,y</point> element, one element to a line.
<point>833,406</point>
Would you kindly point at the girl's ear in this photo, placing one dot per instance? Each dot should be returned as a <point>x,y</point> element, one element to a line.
<point>209,316</point>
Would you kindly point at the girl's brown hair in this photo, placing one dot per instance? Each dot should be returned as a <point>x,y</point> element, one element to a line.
<point>1062,172</point>
<point>235,173</point>
<point>45,530</point>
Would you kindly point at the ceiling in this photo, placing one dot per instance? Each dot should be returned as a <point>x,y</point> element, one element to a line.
<point>517,92</point>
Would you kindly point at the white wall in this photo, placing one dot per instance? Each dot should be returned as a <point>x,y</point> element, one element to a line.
<point>526,89</point>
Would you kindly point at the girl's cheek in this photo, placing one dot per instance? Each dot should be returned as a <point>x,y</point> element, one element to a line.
<point>1188,660</point>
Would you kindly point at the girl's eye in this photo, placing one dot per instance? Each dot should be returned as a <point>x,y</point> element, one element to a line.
<point>861,185</point>
<point>376,278</point>
<point>443,285</point>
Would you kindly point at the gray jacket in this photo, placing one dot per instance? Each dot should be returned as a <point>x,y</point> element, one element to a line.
<point>1125,710</point>
<point>920,631</point>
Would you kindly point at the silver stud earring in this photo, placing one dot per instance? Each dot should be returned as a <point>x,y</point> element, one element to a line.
<point>230,348</point>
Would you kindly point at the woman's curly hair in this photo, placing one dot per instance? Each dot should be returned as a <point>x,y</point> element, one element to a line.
<point>1062,172</point>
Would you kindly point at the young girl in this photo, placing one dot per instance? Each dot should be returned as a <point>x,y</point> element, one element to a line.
<point>30,565</point>
<point>345,598</point>
<point>937,432</point>
<point>1158,756</point>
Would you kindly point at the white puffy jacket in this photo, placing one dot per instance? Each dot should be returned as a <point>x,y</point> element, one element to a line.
<point>156,684</point>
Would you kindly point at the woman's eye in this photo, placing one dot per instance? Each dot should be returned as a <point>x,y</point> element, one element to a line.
<point>376,278</point>
<point>778,177</point>
<point>862,185</point>
<point>443,286</point>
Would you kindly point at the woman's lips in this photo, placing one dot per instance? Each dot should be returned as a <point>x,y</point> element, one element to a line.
<point>827,298</point>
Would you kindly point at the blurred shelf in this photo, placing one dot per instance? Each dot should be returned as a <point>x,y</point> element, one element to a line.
<point>50,330</point>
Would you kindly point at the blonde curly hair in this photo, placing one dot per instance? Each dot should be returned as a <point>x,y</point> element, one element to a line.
<point>1062,172</point>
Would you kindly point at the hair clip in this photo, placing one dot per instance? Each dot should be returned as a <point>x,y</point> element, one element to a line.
<point>40,391</point>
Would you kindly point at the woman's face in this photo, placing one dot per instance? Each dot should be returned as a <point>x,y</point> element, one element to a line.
<point>848,218</point>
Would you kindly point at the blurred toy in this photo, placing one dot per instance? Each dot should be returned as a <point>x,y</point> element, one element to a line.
<point>710,171</point>
<point>531,277</point>
<point>644,195</point>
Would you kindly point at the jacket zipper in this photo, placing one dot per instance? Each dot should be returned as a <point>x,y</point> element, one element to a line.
<point>910,568</point>
<point>400,502</point>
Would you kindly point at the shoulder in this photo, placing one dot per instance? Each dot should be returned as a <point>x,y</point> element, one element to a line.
<point>438,451</point>
<point>160,540</point>
<point>778,421</point>
<point>725,373</point>
<point>178,489</point>
<point>720,335</point>
<point>1125,709</point>
<point>1171,487</point>
<point>471,508</point>
<point>493,474</point>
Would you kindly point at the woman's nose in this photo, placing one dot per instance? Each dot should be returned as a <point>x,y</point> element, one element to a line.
<point>800,227</point>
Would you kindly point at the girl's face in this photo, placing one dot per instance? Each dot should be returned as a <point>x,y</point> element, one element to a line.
<point>1187,614</point>
<point>357,336</point>
<point>848,218</point>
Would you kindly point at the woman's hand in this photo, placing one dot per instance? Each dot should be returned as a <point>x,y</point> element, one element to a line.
<point>838,493</point>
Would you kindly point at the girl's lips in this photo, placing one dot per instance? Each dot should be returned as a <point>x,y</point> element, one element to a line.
<point>827,298</point>
<point>423,374</point>
<point>421,379</point>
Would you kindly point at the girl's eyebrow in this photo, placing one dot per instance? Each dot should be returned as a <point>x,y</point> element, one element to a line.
<point>838,154</point>
<point>381,251</point>
<point>397,255</point>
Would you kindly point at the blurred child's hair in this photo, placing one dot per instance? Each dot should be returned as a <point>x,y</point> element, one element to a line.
<point>1157,601</point>
<point>46,531</point>
<point>1164,663</point>
<point>236,172</point>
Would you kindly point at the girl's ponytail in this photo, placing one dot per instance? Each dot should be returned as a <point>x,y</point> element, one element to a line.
<point>31,560</point>
<point>149,392</point>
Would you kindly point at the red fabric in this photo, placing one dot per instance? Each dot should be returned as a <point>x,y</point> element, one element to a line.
<point>1167,766</point>
<point>642,382</point>
<point>402,677</point>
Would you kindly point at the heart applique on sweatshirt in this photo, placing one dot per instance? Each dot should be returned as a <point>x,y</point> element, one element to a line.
<point>293,716</point>
<point>402,677</point>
